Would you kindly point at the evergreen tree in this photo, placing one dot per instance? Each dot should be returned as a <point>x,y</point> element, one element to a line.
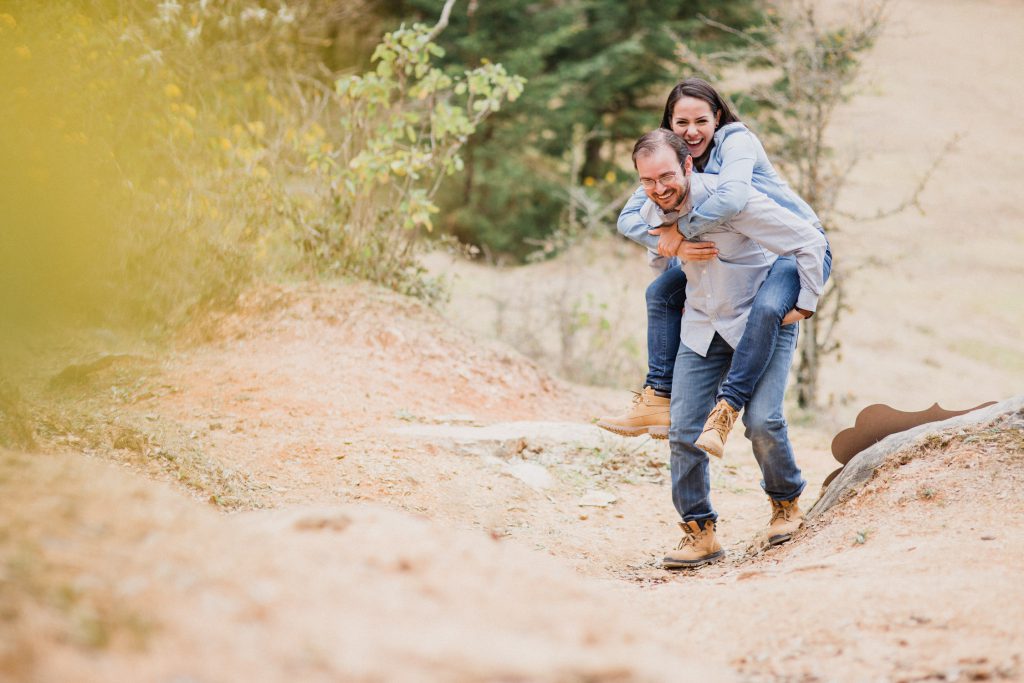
<point>602,67</point>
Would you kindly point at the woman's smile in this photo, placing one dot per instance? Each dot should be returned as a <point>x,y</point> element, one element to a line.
<point>695,145</point>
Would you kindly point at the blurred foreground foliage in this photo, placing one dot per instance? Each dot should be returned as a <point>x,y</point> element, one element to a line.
<point>158,155</point>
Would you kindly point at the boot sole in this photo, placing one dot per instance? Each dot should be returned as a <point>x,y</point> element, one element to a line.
<point>707,450</point>
<point>779,539</point>
<point>691,564</point>
<point>654,432</point>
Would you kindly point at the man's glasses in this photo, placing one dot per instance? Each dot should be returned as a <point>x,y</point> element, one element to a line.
<point>664,179</point>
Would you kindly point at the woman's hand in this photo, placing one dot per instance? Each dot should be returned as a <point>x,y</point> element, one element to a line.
<point>697,251</point>
<point>794,316</point>
<point>668,240</point>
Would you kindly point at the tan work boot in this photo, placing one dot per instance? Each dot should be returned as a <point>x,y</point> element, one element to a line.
<point>787,517</point>
<point>699,546</point>
<point>717,428</point>
<point>649,414</point>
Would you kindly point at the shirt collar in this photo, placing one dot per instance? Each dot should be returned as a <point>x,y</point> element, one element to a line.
<point>654,216</point>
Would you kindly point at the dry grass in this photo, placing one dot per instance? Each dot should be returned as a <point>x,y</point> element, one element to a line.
<point>88,407</point>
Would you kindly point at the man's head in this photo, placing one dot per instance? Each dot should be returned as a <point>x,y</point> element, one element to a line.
<point>663,162</point>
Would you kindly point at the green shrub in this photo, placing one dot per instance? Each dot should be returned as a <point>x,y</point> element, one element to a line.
<point>400,129</point>
<point>160,155</point>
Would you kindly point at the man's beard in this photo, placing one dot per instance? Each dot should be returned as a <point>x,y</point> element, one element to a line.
<point>676,200</point>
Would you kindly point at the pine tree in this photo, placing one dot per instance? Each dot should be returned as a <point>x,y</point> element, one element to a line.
<point>602,67</point>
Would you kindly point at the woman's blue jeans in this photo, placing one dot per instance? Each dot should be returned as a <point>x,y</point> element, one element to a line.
<point>777,296</point>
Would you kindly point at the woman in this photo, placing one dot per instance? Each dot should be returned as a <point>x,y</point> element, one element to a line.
<point>719,144</point>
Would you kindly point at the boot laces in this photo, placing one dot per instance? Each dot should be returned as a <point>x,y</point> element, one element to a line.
<point>780,511</point>
<point>689,538</point>
<point>721,421</point>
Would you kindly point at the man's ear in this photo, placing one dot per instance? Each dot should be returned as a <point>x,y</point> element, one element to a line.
<point>688,166</point>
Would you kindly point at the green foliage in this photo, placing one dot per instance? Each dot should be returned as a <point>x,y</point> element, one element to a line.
<point>604,66</point>
<point>400,129</point>
<point>160,155</point>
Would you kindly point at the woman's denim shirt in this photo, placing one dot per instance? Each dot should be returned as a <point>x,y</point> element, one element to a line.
<point>740,162</point>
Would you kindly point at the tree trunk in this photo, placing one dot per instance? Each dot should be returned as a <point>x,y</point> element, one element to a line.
<point>807,371</point>
<point>592,158</point>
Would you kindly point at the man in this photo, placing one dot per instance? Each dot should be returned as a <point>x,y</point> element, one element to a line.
<point>719,293</point>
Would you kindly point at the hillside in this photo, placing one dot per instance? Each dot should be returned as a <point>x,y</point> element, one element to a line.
<point>457,519</point>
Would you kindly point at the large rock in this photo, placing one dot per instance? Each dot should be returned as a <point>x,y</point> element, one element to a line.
<point>864,464</point>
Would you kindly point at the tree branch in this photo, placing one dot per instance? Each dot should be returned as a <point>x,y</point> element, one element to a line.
<point>611,206</point>
<point>734,31</point>
<point>442,23</point>
<point>915,198</point>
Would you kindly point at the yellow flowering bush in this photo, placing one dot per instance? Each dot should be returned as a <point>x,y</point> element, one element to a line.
<point>158,154</point>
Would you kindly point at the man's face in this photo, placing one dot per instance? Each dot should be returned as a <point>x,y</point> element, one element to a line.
<point>662,177</point>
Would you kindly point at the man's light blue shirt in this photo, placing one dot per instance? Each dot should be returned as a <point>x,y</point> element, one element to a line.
<point>720,291</point>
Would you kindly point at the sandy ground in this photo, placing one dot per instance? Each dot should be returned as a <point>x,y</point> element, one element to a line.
<point>334,483</point>
<point>279,503</point>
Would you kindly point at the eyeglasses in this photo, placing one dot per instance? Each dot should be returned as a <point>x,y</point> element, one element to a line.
<point>664,179</point>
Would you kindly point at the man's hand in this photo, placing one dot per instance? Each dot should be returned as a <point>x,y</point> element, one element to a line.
<point>668,240</point>
<point>697,251</point>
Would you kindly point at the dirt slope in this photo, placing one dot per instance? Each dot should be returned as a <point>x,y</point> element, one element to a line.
<point>422,523</point>
<point>120,579</point>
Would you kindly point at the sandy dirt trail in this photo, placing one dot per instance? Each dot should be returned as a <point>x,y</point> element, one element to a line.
<point>456,535</point>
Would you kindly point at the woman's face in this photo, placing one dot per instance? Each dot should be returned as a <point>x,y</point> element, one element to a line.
<point>693,121</point>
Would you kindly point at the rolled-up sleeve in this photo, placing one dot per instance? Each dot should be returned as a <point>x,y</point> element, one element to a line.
<point>632,225</point>
<point>733,190</point>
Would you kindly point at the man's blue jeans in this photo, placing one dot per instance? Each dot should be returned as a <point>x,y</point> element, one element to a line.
<point>666,297</point>
<point>694,387</point>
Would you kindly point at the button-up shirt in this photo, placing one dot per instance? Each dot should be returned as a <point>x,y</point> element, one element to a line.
<point>720,291</point>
